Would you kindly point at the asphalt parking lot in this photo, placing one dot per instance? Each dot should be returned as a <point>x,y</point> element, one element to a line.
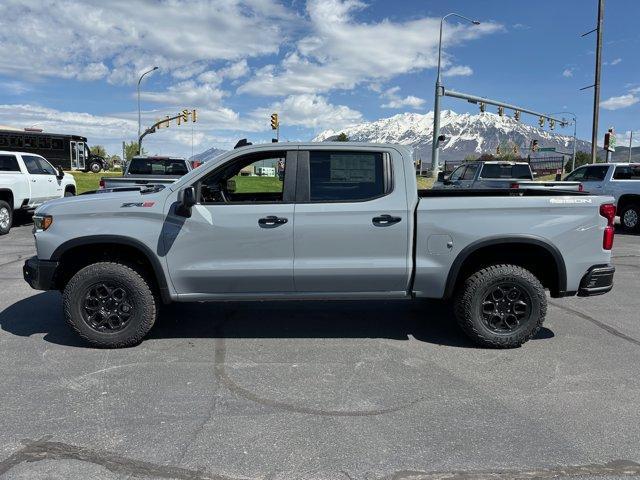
<point>319,390</point>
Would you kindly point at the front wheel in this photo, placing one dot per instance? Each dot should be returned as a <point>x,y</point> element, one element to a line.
<point>501,306</point>
<point>110,305</point>
<point>630,217</point>
<point>6,217</point>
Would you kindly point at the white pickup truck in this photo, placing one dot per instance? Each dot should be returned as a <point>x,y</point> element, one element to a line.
<point>621,181</point>
<point>26,182</point>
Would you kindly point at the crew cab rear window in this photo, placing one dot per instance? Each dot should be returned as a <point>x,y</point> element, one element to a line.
<point>9,163</point>
<point>343,176</point>
<point>498,170</point>
<point>155,166</point>
<point>630,172</point>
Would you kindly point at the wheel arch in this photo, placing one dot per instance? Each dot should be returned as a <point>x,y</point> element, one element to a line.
<point>96,247</point>
<point>7,196</point>
<point>510,249</point>
<point>626,199</point>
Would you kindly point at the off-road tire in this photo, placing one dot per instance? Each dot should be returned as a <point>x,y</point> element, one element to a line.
<point>631,208</point>
<point>143,299</point>
<point>6,210</point>
<point>468,305</point>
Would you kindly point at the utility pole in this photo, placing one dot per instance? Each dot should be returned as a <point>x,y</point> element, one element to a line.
<point>596,85</point>
<point>630,141</point>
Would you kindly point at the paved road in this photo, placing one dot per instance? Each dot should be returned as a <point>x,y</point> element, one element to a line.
<point>319,390</point>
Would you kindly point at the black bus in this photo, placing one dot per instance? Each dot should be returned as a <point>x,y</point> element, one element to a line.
<point>68,151</point>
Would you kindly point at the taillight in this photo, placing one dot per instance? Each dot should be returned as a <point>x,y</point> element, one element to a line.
<point>580,187</point>
<point>608,211</point>
<point>514,185</point>
<point>101,183</point>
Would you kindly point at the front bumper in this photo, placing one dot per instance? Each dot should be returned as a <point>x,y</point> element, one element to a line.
<point>39,274</point>
<point>597,280</point>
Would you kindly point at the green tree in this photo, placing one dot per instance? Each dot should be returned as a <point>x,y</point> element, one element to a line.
<point>131,150</point>
<point>582,158</point>
<point>342,137</point>
<point>99,150</point>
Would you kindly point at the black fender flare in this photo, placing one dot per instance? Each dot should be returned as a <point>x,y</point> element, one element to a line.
<point>466,252</point>
<point>120,240</point>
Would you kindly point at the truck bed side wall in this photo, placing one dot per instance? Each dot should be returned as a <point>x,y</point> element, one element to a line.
<point>574,229</point>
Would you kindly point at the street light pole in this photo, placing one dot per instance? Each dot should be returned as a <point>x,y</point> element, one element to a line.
<point>596,87</point>
<point>139,114</point>
<point>435,144</point>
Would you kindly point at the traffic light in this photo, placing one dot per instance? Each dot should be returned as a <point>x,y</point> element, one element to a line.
<point>541,121</point>
<point>483,107</point>
<point>516,115</point>
<point>501,111</point>
<point>194,116</point>
<point>274,121</point>
<point>534,145</point>
<point>167,122</point>
<point>552,123</point>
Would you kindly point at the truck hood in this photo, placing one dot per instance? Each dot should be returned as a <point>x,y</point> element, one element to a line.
<point>98,202</point>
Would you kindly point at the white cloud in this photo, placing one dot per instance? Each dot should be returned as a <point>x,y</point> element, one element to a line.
<point>396,101</point>
<point>458,71</point>
<point>14,87</point>
<point>308,110</point>
<point>567,72</point>
<point>616,103</point>
<point>341,52</point>
<point>615,61</point>
<point>94,39</point>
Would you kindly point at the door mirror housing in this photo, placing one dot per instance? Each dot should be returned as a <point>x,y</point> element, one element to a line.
<point>59,173</point>
<point>441,176</point>
<point>231,185</point>
<point>186,200</point>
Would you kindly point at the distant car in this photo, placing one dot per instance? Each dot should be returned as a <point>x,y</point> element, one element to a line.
<point>621,181</point>
<point>497,174</point>
<point>26,182</point>
<point>145,171</point>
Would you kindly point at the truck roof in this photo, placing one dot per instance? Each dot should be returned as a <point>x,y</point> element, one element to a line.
<point>16,152</point>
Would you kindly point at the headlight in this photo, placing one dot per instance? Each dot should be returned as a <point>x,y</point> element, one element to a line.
<point>42,222</point>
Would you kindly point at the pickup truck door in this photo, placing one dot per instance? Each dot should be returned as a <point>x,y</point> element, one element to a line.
<point>468,176</point>
<point>592,178</point>
<point>239,238</point>
<point>38,180</point>
<point>54,186</point>
<point>351,222</point>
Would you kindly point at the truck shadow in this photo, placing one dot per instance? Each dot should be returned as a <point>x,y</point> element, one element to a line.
<point>426,321</point>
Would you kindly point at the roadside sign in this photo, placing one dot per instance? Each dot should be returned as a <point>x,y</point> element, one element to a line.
<point>610,141</point>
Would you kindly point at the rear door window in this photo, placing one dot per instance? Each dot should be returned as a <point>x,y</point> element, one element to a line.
<point>9,163</point>
<point>628,172</point>
<point>343,176</point>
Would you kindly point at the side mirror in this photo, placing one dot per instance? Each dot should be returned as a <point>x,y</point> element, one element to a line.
<point>231,185</point>
<point>59,173</point>
<point>441,177</point>
<point>186,200</point>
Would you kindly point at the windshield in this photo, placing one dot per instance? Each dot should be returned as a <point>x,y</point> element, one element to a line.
<point>501,170</point>
<point>155,166</point>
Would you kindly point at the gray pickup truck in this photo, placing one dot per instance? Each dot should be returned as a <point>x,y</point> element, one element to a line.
<point>498,174</point>
<point>344,221</point>
<point>144,171</point>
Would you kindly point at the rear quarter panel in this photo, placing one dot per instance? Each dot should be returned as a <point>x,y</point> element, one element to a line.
<point>572,224</point>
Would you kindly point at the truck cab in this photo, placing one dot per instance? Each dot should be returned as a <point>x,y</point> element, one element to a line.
<point>27,181</point>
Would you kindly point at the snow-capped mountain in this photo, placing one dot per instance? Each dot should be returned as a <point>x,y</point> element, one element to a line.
<point>466,134</point>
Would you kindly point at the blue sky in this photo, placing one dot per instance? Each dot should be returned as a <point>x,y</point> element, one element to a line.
<point>71,66</point>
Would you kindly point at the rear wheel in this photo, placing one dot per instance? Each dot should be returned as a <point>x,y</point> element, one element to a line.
<point>501,306</point>
<point>110,305</point>
<point>6,217</point>
<point>630,217</point>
